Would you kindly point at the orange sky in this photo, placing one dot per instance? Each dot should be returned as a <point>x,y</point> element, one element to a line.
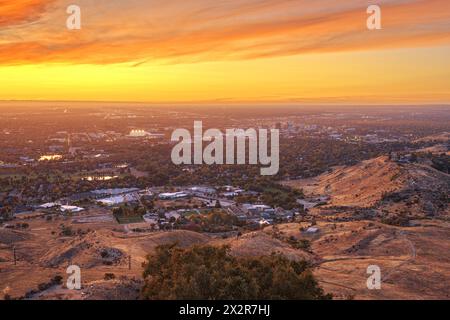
<point>226,51</point>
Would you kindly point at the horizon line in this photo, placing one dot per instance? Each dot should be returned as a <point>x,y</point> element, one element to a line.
<point>236,103</point>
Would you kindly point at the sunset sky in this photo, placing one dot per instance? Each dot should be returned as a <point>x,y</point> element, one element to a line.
<point>312,51</point>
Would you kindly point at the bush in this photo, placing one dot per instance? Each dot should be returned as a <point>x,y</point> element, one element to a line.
<point>44,286</point>
<point>109,276</point>
<point>57,280</point>
<point>303,244</point>
<point>211,273</point>
<point>66,231</point>
<point>400,220</point>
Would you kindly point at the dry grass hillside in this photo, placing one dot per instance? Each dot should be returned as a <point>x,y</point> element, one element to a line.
<point>362,185</point>
<point>255,244</point>
<point>442,137</point>
<point>390,188</point>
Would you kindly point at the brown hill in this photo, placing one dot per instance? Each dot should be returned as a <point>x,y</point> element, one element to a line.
<point>442,137</point>
<point>362,185</point>
<point>389,187</point>
<point>8,237</point>
<point>108,248</point>
<point>260,243</point>
<point>94,249</point>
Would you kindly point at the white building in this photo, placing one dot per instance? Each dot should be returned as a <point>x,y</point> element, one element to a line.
<point>172,195</point>
<point>312,230</point>
<point>49,205</point>
<point>116,191</point>
<point>203,191</point>
<point>71,209</point>
<point>138,133</point>
<point>123,198</point>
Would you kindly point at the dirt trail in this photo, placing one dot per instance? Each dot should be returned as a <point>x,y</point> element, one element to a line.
<point>413,255</point>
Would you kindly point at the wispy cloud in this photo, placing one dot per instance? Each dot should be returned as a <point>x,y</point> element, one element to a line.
<point>141,31</point>
<point>22,11</point>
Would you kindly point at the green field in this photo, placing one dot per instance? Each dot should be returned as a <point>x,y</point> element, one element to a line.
<point>128,219</point>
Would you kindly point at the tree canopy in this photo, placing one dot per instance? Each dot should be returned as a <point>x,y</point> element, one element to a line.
<point>212,273</point>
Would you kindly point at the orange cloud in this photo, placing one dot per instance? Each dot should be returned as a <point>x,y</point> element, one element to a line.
<point>19,11</point>
<point>139,31</point>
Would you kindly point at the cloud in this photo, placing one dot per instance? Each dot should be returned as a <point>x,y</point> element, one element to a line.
<point>142,31</point>
<point>13,12</point>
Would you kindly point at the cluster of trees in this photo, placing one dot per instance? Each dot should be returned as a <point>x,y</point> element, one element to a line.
<point>215,221</point>
<point>6,213</point>
<point>399,219</point>
<point>441,163</point>
<point>272,194</point>
<point>129,213</point>
<point>211,273</point>
<point>53,186</point>
<point>311,156</point>
<point>127,210</point>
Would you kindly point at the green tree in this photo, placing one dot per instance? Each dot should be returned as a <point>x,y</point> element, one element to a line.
<point>211,273</point>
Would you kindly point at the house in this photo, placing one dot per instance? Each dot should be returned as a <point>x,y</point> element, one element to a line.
<point>255,209</point>
<point>172,214</point>
<point>151,218</point>
<point>234,210</point>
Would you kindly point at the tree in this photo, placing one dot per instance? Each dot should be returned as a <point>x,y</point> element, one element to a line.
<point>6,213</point>
<point>211,273</point>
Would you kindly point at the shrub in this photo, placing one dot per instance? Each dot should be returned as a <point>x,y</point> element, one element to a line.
<point>109,276</point>
<point>57,280</point>
<point>66,231</point>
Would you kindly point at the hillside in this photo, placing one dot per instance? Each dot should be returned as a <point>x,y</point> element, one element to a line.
<point>361,185</point>
<point>259,243</point>
<point>386,186</point>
